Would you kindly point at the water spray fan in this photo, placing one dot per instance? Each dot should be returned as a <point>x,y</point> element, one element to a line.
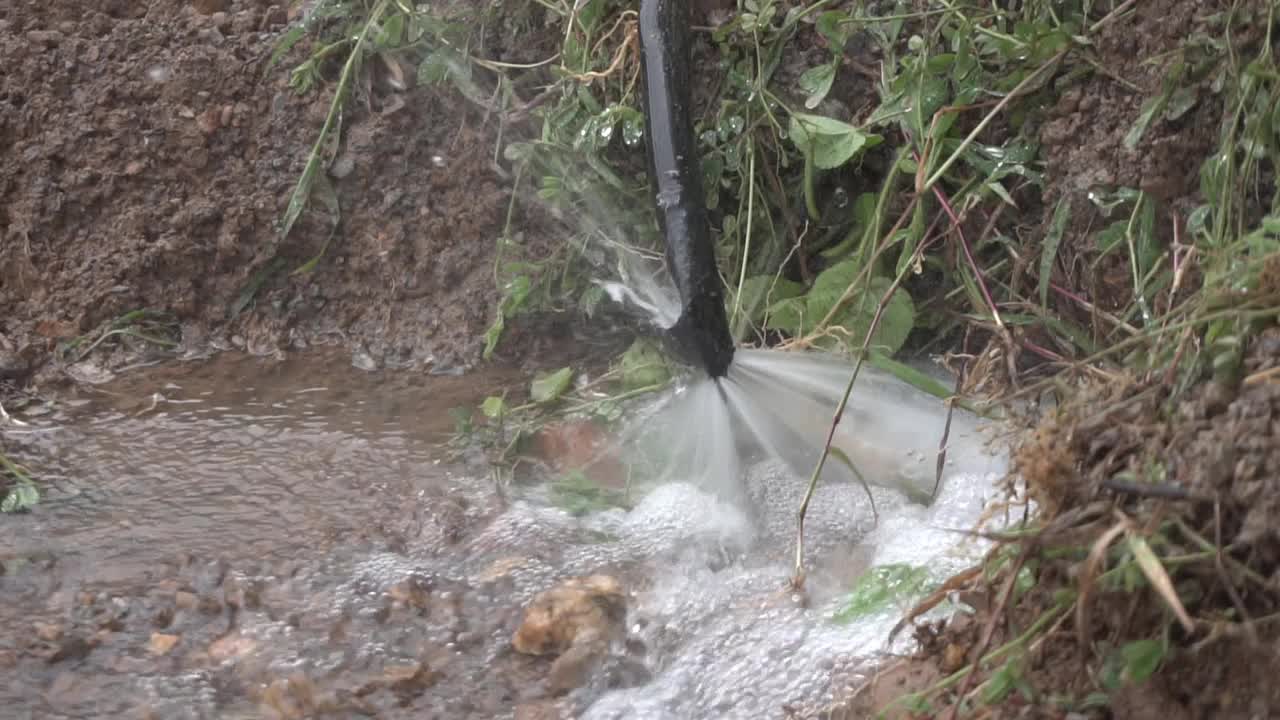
<point>701,334</point>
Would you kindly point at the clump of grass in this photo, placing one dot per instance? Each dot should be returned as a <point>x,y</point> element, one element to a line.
<point>142,326</point>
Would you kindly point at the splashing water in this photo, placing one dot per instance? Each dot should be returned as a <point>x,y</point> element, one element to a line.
<point>722,643</point>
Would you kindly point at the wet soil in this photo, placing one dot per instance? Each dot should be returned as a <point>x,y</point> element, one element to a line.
<point>148,151</point>
<point>1083,143</point>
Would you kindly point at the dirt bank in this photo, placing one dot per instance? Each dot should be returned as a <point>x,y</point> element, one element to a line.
<point>148,153</point>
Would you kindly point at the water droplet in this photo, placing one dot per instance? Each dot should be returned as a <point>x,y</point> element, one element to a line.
<point>632,132</point>
<point>840,198</point>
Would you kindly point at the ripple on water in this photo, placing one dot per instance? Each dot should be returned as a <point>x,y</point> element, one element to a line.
<point>721,634</point>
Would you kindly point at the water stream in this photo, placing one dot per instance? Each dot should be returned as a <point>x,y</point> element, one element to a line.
<point>243,538</point>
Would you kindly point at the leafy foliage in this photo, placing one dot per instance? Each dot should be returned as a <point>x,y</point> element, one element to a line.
<point>881,586</point>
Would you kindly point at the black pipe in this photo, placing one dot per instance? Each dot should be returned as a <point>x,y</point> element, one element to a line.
<point>675,174</point>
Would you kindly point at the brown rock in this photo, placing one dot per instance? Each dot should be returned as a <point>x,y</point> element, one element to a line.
<point>410,593</point>
<point>291,699</point>
<point>49,632</point>
<point>184,600</point>
<point>581,445</point>
<point>231,646</point>
<point>162,643</point>
<point>578,611</point>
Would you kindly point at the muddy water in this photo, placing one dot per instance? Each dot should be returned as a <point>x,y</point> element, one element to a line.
<point>244,539</point>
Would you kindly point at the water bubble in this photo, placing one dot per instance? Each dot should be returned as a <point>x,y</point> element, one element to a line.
<point>840,198</point>
<point>632,132</point>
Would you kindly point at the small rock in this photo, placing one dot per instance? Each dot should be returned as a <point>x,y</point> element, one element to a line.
<point>578,611</point>
<point>410,593</point>
<point>135,167</point>
<point>954,657</point>
<point>210,120</point>
<point>410,679</point>
<point>291,699</point>
<point>276,17</point>
<point>184,600</point>
<point>343,166</point>
<point>49,632</point>
<point>45,38</point>
<point>162,643</point>
<point>231,646</point>
<point>362,360</point>
<point>221,20</point>
<point>72,648</point>
<point>90,372</point>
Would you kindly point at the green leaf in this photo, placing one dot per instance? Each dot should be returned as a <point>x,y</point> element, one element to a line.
<point>788,315</point>
<point>758,293</point>
<point>856,314</point>
<point>816,82</point>
<point>461,420</point>
<point>643,365</point>
<point>827,142</point>
<point>547,388</point>
<point>1002,682</point>
<point>494,334</point>
<point>1141,659</point>
<point>493,407</point>
<point>831,25</point>
<point>1052,240</point>
<point>881,586</point>
<point>1112,236</point>
<point>286,43</point>
<point>21,497</point>
<point>578,495</point>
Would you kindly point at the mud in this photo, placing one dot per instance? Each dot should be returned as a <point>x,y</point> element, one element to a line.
<point>147,153</point>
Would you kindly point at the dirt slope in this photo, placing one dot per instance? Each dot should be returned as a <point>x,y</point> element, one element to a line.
<point>147,153</point>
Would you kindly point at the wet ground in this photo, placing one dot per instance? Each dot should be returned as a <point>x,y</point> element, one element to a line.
<point>245,538</point>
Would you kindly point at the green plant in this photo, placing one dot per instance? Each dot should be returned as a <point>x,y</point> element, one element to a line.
<point>21,494</point>
<point>879,587</point>
<point>148,327</point>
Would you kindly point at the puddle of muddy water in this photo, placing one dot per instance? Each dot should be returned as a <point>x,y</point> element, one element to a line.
<point>285,540</point>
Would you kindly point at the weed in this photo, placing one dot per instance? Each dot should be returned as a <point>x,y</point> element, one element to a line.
<point>21,493</point>
<point>149,327</point>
